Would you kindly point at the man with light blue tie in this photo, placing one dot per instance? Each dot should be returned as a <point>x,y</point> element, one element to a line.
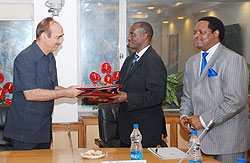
<point>216,88</point>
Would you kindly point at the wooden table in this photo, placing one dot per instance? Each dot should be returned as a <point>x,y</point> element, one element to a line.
<point>67,156</point>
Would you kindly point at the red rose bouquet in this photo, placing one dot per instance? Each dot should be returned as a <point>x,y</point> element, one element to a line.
<point>8,87</point>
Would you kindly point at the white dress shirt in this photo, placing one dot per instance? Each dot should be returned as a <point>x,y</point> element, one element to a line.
<point>142,52</point>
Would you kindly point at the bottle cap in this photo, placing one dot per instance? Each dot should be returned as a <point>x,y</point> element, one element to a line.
<point>136,125</point>
<point>242,160</point>
<point>193,132</point>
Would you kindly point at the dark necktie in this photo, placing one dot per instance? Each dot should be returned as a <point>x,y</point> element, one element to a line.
<point>204,62</point>
<point>134,61</point>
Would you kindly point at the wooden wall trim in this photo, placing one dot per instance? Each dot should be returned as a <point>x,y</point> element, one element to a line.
<point>172,119</point>
<point>88,120</point>
<point>75,126</point>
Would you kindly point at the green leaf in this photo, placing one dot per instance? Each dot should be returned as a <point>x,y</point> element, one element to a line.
<point>95,107</point>
<point>172,75</point>
<point>167,99</point>
<point>174,98</point>
<point>172,80</point>
<point>179,76</point>
<point>172,94</point>
<point>175,101</point>
<point>248,65</point>
<point>167,67</point>
<point>170,87</point>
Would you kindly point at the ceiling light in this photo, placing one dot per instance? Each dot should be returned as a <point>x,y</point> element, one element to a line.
<point>165,22</point>
<point>180,17</point>
<point>141,16</point>
<point>159,11</point>
<point>139,13</point>
<point>178,3</point>
<point>203,10</point>
<point>151,7</point>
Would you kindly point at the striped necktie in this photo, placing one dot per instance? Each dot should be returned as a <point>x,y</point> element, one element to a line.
<point>134,61</point>
<point>204,62</point>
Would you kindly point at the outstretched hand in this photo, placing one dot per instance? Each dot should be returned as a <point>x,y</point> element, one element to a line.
<point>72,91</point>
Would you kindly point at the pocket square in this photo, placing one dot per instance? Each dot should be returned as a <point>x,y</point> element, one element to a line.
<point>211,73</point>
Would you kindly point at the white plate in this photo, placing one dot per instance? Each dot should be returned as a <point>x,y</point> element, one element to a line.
<point>92,157</point>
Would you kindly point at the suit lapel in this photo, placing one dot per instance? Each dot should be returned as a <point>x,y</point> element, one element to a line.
<point>196,67</point>
<point>211,62</point>
<point>129,67</point>
<point>137,65</point>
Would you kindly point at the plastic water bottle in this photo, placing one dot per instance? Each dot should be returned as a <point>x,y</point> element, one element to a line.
<point>136,146</point>
<point>241,160</point>
<point>194,155</point>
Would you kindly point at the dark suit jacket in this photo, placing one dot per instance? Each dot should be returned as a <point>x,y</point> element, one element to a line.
<point>145,85</point>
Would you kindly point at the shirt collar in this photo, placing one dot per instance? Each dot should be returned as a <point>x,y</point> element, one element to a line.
<point>39,52</point>
<point>142,52</point>
<point>210,51</point>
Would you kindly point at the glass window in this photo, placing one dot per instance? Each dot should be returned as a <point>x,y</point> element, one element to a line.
<point>173,24</point>
<point>99,36</point>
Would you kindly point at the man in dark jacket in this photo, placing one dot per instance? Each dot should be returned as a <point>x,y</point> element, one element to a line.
<point>143,76</point>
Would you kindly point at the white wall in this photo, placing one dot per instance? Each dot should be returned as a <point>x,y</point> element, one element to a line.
<point>16,11</point>
<point>237,13</point>
<point>65,109</point>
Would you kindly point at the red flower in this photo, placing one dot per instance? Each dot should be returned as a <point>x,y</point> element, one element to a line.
<point>8,101</point>
<point>109,101</point>
<point>1,78</point>
<point>108,79</point>
<point>93,99</point>
<point>105,99</point>
<point>2,94</point>
<point>9,87</point>
<point>106,68</point>
<point>116,75</point>
<point>94,77</point>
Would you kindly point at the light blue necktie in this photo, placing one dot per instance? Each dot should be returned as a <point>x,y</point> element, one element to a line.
<point>134,61</point>
<point>204,62</point>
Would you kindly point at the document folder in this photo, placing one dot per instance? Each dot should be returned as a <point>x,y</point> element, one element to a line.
<point>168,153</point>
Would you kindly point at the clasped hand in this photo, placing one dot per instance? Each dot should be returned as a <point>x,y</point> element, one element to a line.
<point>192,121</point>
<point>120,97</point>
